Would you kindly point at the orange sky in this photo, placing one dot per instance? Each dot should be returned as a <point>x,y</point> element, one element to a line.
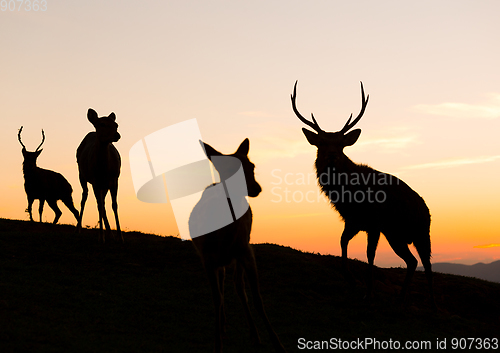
<point>431,70</point>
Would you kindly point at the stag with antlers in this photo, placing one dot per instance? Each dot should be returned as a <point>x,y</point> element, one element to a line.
<point>44,185</point>
<point>369,200</point>
<point>230,244</point>
<point>99,164</point>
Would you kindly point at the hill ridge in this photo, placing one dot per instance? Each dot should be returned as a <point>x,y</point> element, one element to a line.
<point>485,271</point>
<point>60,291</point>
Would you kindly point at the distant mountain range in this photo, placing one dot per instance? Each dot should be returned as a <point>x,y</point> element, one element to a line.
<point>488,272</point>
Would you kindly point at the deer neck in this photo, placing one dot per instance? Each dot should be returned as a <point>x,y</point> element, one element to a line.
<point>29,167</point>
<point>339,161</point>
<point>329,166</point>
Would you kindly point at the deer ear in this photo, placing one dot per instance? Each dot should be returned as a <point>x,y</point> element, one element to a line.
<point>112,116</point>
<point>92,115</point>
<point>352,137</point>
<point>209,150</point>
<point>311,137</point>
<point>244,147</point>
<point>38,152</point>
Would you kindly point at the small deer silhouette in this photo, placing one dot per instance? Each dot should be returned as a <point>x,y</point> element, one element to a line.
<point>99,164</point>
<point>369,200</point>
<point>230,244</point>
<point>44,185</point>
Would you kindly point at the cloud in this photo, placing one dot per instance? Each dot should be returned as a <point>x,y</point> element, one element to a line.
<point>285,140</point>
<point>489,110</point>
<point>487,246</point>
<point>388,142</point>
<point>277,140</point>
<point>278,146</point>
<point>257,114</point>
<point>450,163</point>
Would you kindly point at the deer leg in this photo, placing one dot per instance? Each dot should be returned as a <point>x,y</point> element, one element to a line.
<point>239,284</point>
<point>428,274</point>
<point>85,194</point>
<point>55,208</point>
<point>213,278</point>
<point>100,207</point>
<point>40,208</point>
<point>373,238</point>
<point>104,215</point>
<point>348,233</point>
<point>250,268</point>
<point>30,206</point>
<point>401,249</point>
<point>69,204</point>
<point>425,257</point>
<point>113,191</point>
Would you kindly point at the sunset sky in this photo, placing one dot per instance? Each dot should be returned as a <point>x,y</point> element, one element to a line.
<point>432,69</point>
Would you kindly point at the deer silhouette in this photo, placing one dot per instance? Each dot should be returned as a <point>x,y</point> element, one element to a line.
<point>230,244</point>
<point>369,200</point>
<point>44,185</point>
<point>99,164</point>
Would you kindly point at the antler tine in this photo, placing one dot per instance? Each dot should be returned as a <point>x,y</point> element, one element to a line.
<point>348,125</point>
<point>19,137</point>
<point>313,124</point>
<point>43,140</point>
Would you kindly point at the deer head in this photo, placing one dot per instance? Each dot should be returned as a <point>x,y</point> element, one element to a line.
<point>227,169</point>
<point>105,127</point>
<point>30,157</point>
<point>333,142</point>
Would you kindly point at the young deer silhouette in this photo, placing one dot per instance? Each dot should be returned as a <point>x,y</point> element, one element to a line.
<point>369,200</point>
<point>230,244</point>
<point>99,164</point>
<point>44,185</point>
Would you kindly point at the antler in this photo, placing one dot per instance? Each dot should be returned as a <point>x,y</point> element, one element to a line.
<point>313,124</point>
<point>43,140</point>
<point>348,125</point>
<point>19,137</point>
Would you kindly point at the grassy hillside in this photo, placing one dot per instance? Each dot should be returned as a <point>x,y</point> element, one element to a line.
<point>62,292</point>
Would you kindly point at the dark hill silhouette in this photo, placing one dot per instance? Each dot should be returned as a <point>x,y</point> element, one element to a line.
<point>488,272</point>
<point>64,292</point>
